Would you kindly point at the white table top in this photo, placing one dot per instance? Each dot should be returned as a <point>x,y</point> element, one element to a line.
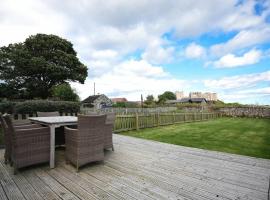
<point>55,120</point>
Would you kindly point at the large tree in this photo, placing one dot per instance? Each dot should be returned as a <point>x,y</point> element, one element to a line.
<point>166,96</point>
<point>30,69</point>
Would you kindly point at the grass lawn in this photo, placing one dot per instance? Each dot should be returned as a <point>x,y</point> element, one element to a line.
<point>243,136</point>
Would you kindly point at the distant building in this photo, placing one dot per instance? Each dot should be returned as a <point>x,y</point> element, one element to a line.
<point>97,101</point>
<point>117,100</point>
<point>207,95</point>
<point>179,95</point>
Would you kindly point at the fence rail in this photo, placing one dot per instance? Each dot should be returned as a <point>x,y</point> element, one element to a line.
<point>125,122</point>
<point>129,110</point>
<point>140,121</point>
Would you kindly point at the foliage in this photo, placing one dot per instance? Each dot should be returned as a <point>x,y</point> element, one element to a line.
<point>245,136</point>
<point>188,105</point>
<point>6,107</point>
<point>64,92</point>
<point>30,69</point>
<point>33,106</point>
<point>166,96</point>
<point>128,104</point>
<point>150,101</point>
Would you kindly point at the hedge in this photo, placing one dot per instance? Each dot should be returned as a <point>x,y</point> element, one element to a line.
<point>31,107</point>
<point>6,107</point>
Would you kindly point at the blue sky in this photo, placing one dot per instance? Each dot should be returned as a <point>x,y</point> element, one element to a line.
<point>147,47</point>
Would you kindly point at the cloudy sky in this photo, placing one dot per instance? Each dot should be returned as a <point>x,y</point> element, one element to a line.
<point>139,47</point>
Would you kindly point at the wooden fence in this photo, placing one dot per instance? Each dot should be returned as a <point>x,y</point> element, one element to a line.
<point>140,121</point>
<point>129,110</point>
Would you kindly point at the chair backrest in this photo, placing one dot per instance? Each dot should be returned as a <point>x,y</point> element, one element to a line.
<point>4,125</point>
<point>110,119</point>
<point>90,121</point>
<point>9,124</point>
<point>48,114</point>
<point>10,133</point>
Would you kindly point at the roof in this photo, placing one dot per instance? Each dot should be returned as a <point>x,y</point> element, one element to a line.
<point>119,99</point>
<point>198,100</point>
<point>187,100</point>
<point>91,99</point>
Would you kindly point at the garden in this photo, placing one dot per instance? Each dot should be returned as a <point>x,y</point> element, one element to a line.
<point>244,136</point>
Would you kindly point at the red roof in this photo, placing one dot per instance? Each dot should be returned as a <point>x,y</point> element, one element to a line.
<point>115,100</point>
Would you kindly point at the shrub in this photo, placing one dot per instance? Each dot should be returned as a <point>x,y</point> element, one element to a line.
<point>6,107</point>
<point>30,107</point>
<point>64,92</point>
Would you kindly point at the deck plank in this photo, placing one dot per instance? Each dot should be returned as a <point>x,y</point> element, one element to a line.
<point>9,186</point>
<point>143,169</point>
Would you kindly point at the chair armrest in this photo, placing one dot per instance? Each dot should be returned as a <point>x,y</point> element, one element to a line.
<point>71,136</point>
<point>71,130</point>
<point>29,126</point>
<point>33,132</point>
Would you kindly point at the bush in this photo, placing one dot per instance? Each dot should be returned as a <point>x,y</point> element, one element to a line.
<point>6,107</point>
<point>64,92</point>
<point>30,107</point>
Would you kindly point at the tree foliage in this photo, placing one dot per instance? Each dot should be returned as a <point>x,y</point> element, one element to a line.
<point>30,69</point>
<point>166,96</point>
<point>150,100</point>
<point>64,92</point>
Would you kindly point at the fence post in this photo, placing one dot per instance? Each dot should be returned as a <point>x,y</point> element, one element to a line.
<point>158,119</point>
<point>184,117</point>
<point>174,118</point>
<point>137,122</point>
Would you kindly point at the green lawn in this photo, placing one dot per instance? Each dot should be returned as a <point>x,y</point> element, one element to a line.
<point>243,136</point>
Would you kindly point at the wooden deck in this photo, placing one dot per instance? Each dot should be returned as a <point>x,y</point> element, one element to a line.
<point>141,169</point>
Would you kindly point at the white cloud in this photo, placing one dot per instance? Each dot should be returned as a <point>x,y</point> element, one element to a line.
<point>240,81</point>
<point>157,54</point>
<point>194,51</point>
<point>131,79</point>
<point>245,38</point>
<point>254,96</point>
<point>19,19</point>
<point>230,60</point>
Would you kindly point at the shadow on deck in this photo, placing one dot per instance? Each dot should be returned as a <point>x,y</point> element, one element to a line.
<point>141,169</point>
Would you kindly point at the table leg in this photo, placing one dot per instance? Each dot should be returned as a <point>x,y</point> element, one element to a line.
<point>52,146</point>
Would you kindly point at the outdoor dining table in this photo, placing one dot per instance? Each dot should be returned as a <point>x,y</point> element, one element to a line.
<point>54,122</point>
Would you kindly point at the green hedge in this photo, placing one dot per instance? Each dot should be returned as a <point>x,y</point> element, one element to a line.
<point>28,107</point>
<point>31,107</point>
<point>6,107</point>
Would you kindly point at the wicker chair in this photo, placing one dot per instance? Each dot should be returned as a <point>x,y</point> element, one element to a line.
<point>85,144</point>
<point>109,124</point>
<point>29,146</point>
<point>59,132</point>
<point>7,140</point>
<point>7,136</point>
<point>47,114</point>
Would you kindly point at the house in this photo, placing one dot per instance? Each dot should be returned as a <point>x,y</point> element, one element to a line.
<point>97,101</point>
<point>187,100</point>
<point>118,100</point>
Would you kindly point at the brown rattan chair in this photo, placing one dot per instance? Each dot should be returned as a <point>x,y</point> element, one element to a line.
<point>29,146</point>
<point>7,140</point>
<point>108,131</point>
<point>47,114</point>
<point>7,135</point>
<point>59,132</point>
<point>85,144</point>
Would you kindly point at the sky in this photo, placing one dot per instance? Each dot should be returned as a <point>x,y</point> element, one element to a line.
<point>148,47</point>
